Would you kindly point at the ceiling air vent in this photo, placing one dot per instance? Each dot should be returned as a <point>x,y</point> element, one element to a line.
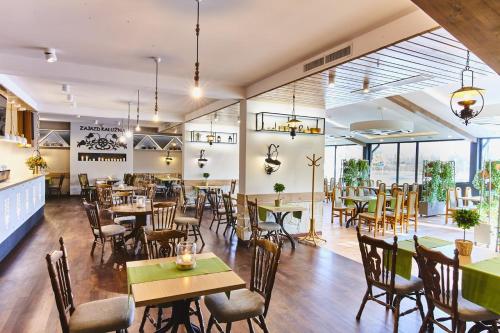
<point>313,64</point>
<point>345,52</point>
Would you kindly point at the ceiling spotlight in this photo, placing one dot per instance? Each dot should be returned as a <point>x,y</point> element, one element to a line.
<point>366,85</point>
<point>331,78</point>
<point>65,88</point>
<point>216,117</point>
<point>50,55</point>
<point>69,98</point>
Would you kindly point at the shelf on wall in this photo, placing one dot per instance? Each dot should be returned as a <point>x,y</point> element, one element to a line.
<point>156,142</point>
<point>147,143</point>
<point>220,137</point>
<point>54,139</point>
<point>174,144</point>
<point>277,123</point>
<point>101,157</point>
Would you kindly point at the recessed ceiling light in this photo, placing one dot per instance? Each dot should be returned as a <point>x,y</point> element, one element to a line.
<point>50,55</point>
<point>366,85</point>
<point>381,140</point>
<point>412,138</point>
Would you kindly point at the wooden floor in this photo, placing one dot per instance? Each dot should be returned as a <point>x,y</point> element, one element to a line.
<point>316,289</point>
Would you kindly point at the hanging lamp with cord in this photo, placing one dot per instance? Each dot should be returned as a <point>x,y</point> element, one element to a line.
<point>156,117</point>
<point>211,136</point>
<point>468,101</point>
<point>137,127</point>
<point>128,132</point>
<point>196,92</point>
<point>293,123</point>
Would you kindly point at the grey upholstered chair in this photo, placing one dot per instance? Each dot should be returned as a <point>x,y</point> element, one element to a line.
<point>185,223</point>
<point>106,315</point>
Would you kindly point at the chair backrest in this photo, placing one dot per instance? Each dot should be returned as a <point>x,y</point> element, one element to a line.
<point>104,195</point>
<point>253,214</point>
<point>337,193</point>
<point>57,264</point>
<point>228,206</point>
<point>266,255</point>
<point>121,198</point>
<point>468,193</point>
<point>378,182</point>
<point>406,188</point>
<point>183,191</point>
<point>83,179</point>
<point>213,199</point>
<point>163,214</point>
<point>398,206</point>
<point>233,186</point>
<point>378,256</point>
<point>381,186</point>
<point>351,191</point>
<point>412,203</point>
<point>162,243</point>
<point>380,205</point>
<point>61,180</point>
<point>372,183</point>
<point>394,187</point>
<point>460,201</point>
<point>151,191</point>
<point>440,276</point>
<point>93,215</point>
<point>451,198</point>
<point>200,206</point>
<point>414,187</point>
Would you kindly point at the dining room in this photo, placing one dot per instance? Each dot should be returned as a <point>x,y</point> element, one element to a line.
<point>162,171</point>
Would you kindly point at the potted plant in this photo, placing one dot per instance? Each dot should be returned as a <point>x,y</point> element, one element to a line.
<point>278,188</point>
<point>466,219</point>
<point>206,175</point>
<point>36,163</point>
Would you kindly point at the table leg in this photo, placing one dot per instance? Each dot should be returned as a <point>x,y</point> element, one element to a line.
<point>280,218</point>
<point>180,316</point>
<point>360,206</point>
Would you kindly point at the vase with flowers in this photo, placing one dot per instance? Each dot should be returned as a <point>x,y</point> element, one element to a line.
<point>36,163</point>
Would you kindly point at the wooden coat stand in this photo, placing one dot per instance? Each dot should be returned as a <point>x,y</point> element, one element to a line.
<point>312,238</point>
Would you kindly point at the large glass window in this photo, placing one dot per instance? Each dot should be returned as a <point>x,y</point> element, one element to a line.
<point>458,151</point>
<point>491,151</point>
<point>329,164</point>
<point>384,162</point>
<point>334,156</point>
<point>407,153</point>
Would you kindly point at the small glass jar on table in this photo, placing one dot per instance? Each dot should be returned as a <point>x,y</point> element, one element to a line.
<point>186,256</point>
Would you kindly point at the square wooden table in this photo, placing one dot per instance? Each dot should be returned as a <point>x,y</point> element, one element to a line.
<point>360,201</point>
<point>180,291</point>
<point>279,213</point>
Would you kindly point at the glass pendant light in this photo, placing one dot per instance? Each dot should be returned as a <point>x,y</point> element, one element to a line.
<point>156,116</point>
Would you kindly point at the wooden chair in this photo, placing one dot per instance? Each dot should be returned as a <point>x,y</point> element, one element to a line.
<point>104,195</point>
<point>381,186</point>
<point>112,314</point>
<point>468,193</point>
<point>218,211</point>
<point>56,189</point>
<point>460,201</point>
<point>271,229</point>
<point>406,188</point>
<point>122,198</point>
<point>452,203</point>
<point>410,211</point>
<point>151,191</point>
<point>163,244</point>
<point>230,214</point>
<point>102,233</point>
<point>440,275</point>
<point>184,222</point>
<point>187,200</point>
<point>395,216</point>
<point>232,189</point>
<point>251,304</point>
<point>86,191</point>
<point>394,187</point>
<point>378,257</point>
<point>338,206</point>
<point>376,219</point>
<point>163,215</point>
<point>378,182</point>
<point>414,187</point>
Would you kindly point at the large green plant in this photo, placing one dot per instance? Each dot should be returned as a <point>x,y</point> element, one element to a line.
<point>441,177</point>
<point>466,218</point>
<point>355,171</point>
<point>488,207</point>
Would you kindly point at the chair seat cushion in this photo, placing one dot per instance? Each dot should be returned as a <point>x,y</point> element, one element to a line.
<point>112,230</point>
<point>469,311</point>
<point>404,286</point>
<point>124,219</point>
<point>269,226</point>
<point>107,315</point>
<point>242,304</point>
<point>186,220</point>
<point>223,210</point>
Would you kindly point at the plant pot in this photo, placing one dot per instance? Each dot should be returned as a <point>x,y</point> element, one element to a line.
<point>432,209</point>
<point>206,182</point>
<point>277,202</point>
<point>464,247</point>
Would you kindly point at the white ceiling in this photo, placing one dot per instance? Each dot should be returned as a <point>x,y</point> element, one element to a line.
<point>104,49</point>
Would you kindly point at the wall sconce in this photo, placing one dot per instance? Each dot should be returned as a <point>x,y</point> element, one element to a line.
<point>202,160</point>
<point>272,163</point>
<point>168,159</point>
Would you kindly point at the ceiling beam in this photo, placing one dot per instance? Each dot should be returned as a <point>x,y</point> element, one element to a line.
<point>416,109</point>
<point>356,141</point>
<point>476,23</point>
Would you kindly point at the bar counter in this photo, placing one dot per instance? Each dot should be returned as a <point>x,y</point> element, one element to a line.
<point>22,201</point>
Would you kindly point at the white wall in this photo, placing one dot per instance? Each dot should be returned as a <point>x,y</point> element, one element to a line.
<point>15,159</point>
<point>223,159</point>
<point>153,161</point>
<point>294,172</point>
<point>96,169</point>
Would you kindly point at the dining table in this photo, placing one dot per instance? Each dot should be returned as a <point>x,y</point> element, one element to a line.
<point>158,281</point>
<point>360,203</point>
<point>279,213</point>
<point>207,188</point>
<point>480,282</point>
<point>140,212</point>
<point>124,188</point>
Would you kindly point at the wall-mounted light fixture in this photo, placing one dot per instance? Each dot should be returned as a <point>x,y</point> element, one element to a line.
<point>202,160</point>
<point>272,163</point>
<point>169,158</point>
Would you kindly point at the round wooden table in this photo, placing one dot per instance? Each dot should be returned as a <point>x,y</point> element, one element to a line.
<point>140,214</point>
<point>125,188</point>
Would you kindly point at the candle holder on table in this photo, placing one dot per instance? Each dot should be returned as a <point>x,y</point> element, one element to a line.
<point>186,256</point>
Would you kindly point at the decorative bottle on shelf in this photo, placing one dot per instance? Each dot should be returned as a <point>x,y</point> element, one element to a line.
<point>230,139</point>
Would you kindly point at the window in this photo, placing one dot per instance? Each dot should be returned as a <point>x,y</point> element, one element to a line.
<point>491,151</point>
<point>458,151</point>
<point>407,152</point>
<point>384,162</point>
<point>329,162</point>
<point>334,156</point>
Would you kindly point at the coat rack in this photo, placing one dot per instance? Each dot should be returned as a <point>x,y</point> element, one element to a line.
<point>312,238</point>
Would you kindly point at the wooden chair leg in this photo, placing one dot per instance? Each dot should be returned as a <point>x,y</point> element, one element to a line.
<point>263,324</point>
<point>250,326</point>
<point>228,327</point>
<point>396,304</point>
<point>363,303</point>
<point>211,321</point>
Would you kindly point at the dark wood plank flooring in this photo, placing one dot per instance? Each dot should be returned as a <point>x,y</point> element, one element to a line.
<point>316,290</point>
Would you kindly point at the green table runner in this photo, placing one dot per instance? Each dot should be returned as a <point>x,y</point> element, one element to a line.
<point>481,283</point>
<point>166,271</point>
<point>406,249</point>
